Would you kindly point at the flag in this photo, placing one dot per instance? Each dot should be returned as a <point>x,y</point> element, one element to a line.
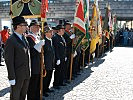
<point>94,29</point>
<point>79,25</point>
<point>85,41</point>
<point>100,26</point>
<point>77,3</point>
<point>110,21</point>
<point>44,9</point>
<point>114,25</point>
<point>26,8</point>
<point>106,22</point>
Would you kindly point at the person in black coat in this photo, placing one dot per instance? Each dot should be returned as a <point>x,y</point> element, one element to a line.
<point>60,57</point>
<point>49,60</point>
<point>68,36</point>
<point>35,49</point>
<point>17,59</point>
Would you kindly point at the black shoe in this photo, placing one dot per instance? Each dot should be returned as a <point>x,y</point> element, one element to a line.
<point>72,78</point>
<point>78,74</point>
<point>67,81</point>
<point>50,90</point>
<point>63,85</point>
<point>56,87</point>
<point>74,75</point>
<point>2,65</point>
<point>45,94</point>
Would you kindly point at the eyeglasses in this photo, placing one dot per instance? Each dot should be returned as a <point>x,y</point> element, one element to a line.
<point>23,25</point>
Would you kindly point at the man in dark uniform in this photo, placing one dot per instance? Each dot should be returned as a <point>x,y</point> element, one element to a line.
<point>49,60</point>
<point>35,49</point>
<point>17,60</point>
<point>54,30</point>
<point>60,57</point>
<point>68,36</point>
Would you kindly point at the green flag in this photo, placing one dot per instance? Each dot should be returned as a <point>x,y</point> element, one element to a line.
<point>85,42</point>
<point>114,25</point>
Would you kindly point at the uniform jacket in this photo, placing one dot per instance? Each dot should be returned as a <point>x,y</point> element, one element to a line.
<point>60,47</point>
<point>49,55</point>
<point>17,58</point>
<point>35,55</point>
<point>68,42</point>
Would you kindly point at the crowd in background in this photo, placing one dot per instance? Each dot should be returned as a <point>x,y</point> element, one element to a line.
<point>124,37</point>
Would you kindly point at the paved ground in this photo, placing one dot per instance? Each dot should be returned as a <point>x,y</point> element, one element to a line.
<point>109,78</point>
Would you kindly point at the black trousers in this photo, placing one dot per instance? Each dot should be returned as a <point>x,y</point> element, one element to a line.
<point>59,73</point>
<point>34,88</point>
<point>67,64</point>
<point>19,90</point>
<point>47,80</point>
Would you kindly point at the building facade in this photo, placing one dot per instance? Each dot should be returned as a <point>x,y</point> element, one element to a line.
<point>65,9</point>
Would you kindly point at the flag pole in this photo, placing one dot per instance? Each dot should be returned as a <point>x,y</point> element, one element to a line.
<point>103,44</point>
<point>98,51</point>
<point>44,9</point>
<point>41,78</point>
<point>71,63</point>
<point>109,42</point>
<point>72,55</point>
<point>89,54</point>
<point>83,58</point>
<point>42,66</point>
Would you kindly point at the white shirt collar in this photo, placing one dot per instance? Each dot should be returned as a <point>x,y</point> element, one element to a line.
<point>49,38</point>
<point>19,35</point>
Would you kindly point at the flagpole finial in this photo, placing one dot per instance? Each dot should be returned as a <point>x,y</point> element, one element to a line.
<point>109,7</point>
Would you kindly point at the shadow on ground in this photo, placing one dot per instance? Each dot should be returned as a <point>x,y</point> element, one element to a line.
<point>97,62</point>
<point>85,73</point>
<point>4,91</point>
<point>58,94</point>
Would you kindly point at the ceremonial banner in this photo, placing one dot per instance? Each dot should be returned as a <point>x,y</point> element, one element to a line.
<point>85,41</point>
<point>44,9</point>
<point>100,26</point>
<point>114,25</point>
<point>26,8</point>
<point>79,25</point>
<point>94,29</point>
<point>106,22</point>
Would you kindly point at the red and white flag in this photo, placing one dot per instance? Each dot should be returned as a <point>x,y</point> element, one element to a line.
<point>44,9</point>
<point>79,20</point>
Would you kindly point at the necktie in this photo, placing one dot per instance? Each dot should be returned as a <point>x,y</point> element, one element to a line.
<point>23,39</point>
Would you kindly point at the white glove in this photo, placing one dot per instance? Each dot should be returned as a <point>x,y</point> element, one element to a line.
<point>65,58</point>
<point>93,55</point>
<point>72,36</point>
<point>12,82</point>
<point>58,62</point>
<point>39,45</point>
<point>42,42</point>
<point>75,54</point>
